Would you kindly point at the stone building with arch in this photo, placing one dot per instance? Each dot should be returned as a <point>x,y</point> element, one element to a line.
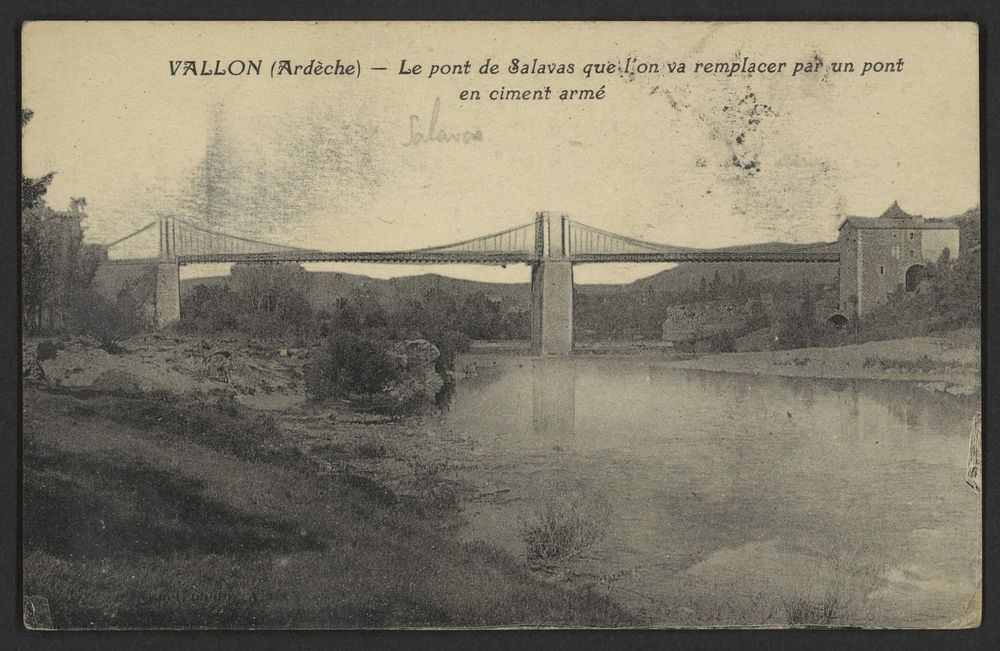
<point>889,253</point>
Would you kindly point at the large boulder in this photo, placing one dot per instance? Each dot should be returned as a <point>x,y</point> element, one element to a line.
<point>414,353</point>
<point>419,382</point>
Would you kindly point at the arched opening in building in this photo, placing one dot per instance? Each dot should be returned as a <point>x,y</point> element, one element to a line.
<point>839,321</point>
<point>914,276</point>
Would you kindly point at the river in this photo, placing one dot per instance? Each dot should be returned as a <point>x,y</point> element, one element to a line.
<point>725,499</point>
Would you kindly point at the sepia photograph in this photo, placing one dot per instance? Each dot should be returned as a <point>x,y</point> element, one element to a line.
<point>500,325</point>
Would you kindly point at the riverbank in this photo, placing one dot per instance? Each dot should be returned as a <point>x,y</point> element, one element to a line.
<point>160,510</point>
<point>950,362</point>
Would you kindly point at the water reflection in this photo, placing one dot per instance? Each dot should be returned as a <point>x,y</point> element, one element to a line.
<point>609,402</point>
<point>553,397</point>
<point>694,463</point>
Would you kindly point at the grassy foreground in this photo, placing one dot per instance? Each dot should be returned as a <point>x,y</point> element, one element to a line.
<point>155,511</point>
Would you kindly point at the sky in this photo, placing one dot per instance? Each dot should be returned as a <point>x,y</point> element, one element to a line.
<point>694,159</point>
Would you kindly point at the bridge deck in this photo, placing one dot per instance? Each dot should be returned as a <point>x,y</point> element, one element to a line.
<point>380,257</point>
<point>486,258</point>
<point>707,256</point>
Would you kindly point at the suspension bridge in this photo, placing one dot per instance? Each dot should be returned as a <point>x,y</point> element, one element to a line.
<point>551,248</point>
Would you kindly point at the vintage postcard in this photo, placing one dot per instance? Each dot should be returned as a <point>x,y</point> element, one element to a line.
<point>475,325</point>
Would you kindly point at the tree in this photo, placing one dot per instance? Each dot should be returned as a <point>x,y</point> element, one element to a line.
<point>212,308</point>
<point>799,327</point>
<point>439,312</point>
<point>349,364</point>
<point>741,290</point>
<point>479,318</point>
<point>57,267</point>
<point>758,317</point>
<point>953,297</point>
<point>32,190</point>
<point>270,287</point>
<point>271,299</point>
<point>367,310</point>
<point>716,285</point>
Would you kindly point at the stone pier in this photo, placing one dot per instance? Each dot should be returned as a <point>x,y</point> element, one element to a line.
<point>552,307</point>
<point>168,293</point>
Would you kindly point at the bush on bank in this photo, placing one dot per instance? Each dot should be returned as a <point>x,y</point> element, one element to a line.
<point>349,364</point>
<point>386,373</point>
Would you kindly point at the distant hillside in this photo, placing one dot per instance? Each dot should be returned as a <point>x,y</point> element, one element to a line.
<point>395,291</point>
<point>688,276</point>
<point>327,287</point>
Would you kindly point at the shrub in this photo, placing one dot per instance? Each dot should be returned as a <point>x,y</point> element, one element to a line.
<point>349,364</point>
<point>722,342</point>
<point>262,325</point>
<point>209,308</point>
<point>109,322</point>
<point>563,529</point>
<point>949,298</point>
<point>446,393</point>
<point>449,343</point>
<point>842,598</point>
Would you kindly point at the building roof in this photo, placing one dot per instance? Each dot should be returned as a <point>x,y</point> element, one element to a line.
<point>896,217</point>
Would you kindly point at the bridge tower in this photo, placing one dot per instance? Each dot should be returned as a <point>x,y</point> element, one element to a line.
<point>551,290</point>
<point>167,299</point>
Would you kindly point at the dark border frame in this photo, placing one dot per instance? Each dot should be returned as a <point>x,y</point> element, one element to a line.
<point>12,633</point>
